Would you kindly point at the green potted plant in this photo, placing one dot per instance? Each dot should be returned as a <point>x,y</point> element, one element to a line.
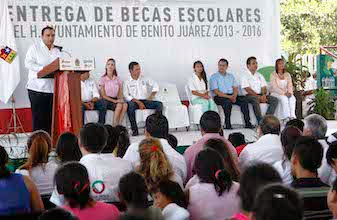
<point>323,104</point>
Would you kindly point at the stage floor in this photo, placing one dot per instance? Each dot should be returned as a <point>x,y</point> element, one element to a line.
<point>16,146</point>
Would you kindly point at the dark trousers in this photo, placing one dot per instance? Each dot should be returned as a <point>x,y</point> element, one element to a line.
<point>42,108</point>
<point>101,107</point>
<point>132,107</point>
<point>272,101</point>
<point>227,107</point>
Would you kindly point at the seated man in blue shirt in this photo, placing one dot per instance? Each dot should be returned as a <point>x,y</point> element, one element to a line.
<point>225,91</point>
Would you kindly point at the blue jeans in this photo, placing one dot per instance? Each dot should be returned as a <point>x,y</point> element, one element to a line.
<point>101,107</point>
<point>132,107</point>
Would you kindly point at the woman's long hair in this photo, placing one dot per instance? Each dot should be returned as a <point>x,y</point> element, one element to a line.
<point>154,165</point>
<point>209,167</point>
<point>39,146</point>
<point>203,73</point>
<point>67,148</point>
<point>276,63</point>
<point>106,69</point>
<point>4,172</point>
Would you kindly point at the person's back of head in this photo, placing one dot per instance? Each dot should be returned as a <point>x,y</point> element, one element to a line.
<point>209,167</point>
<point>252,179</point>
<point>210,122</point>
<point>315,125</point>
<point>332,199</point>
<point>237,139</point>
<point>67,148</point>
<point>57,214</point>
<point>156,125</point>
<point>289,136</point>
<point>270,125</point>
<point>331,155</point>
<point>219,146</point>
<point>4,172</point>
<point>112,139</point>
<point>172,140</point>
<point>277,202</point>
<point>169,192</point>
<point>133,190</point>
<point>307,155</point>
<point>72,181</point>
<point>93,137</point>
<point>39,147</point>
<point>154,164</point>
<point>297,123</point>
<point>123,140</point>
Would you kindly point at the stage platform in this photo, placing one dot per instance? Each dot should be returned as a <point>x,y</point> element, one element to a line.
<point>16,146</point>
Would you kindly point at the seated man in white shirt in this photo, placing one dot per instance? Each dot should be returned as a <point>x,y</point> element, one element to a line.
<point>90,98</point>
<point>254,86</point>
<point>316,126</point>
<point>268,148</point>
<point>104,170</point>
<point>137,95</point>
<point>156,126</point>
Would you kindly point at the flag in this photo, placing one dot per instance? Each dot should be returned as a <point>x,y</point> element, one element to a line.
<point>9,67</point>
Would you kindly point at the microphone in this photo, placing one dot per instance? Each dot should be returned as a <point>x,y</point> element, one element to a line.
<point>61,49</point>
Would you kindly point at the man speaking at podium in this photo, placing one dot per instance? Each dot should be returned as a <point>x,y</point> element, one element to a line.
<point>40,91</point>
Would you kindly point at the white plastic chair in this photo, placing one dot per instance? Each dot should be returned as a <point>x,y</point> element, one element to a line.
<point>195,111</point>
<point>175,112</point>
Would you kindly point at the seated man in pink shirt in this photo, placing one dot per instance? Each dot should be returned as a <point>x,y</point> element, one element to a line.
<point>210,126</point>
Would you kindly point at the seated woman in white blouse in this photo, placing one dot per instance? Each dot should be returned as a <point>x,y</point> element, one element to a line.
<point>282,89</point>
<point>37,166</point>
<point>198,87</point>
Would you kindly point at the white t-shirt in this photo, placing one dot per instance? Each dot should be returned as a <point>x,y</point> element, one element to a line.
<point>89,90</point>
<point>195,84</point>
<point>176,159</point>
<point>174,212</point>
<point>43,176</point>
<point>283,167</point>
<point>254,81</point>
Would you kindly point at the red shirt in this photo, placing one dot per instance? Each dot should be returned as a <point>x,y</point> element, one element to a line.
<point>240,148</point>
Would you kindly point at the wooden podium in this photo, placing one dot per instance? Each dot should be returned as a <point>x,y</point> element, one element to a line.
<point>67,112</point>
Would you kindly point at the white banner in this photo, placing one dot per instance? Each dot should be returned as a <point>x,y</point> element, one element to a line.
<point>164,36</point>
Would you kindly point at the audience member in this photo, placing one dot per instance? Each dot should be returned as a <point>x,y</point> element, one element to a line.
<point>57,214</point>
<point>238,141</point>
<point>251,181</point>
<point>67,148</point>
<point>156,126</point>
<point>104,170</point>
<point>220,147</point>
<point>267,148</point>
<point>331,155</point>
<point>136,93</point>
<point>215,197</point>
<point>198,87</point>
<point>111,141</point>
<point>170,198</point>
<point>72,181</point>
<point>305,160</point>
<point>316,126</point>
<point>133,193</point>
<point>40,170</point>
<point>210,125</point>
<point>173,141</point>
<point>154,165</point>
<point>90,98</point>
<point>288,139</point>
<point>297,123</point>
<point>123,141</point>
<point>254,86</point>
<point>281,87</point>
<point>277,202</point>
<point>332,199</point>
<point>111,87</point>
<point>18,193</point>
<point>225,91</point>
